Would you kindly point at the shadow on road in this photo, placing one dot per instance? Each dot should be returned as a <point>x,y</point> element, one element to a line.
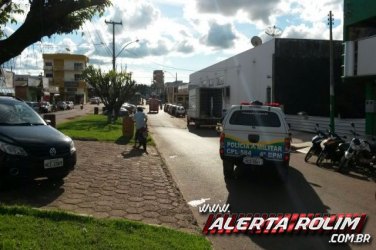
<point>257,192</point>
<point>203,132</point>
<point>35,193</point>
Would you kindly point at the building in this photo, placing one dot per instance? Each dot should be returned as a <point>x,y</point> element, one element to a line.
<point>359,32</point>
<point>32,88</point>
<point>158,83</point>
<point>64,72</point>
<point>172,92</point>
<point>6,82</point>
<point>292,72</point>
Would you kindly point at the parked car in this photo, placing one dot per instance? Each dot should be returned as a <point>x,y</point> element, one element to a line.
<point>70,105</point>
<point>94,100</point>
<point>180,111</point>
<point>45,107</point>
<point>61,105</point>
<point>29,147</point>
<point>34,105</point>
<point>255,135</point>
<point>165,108</point>
<point>130,107</point>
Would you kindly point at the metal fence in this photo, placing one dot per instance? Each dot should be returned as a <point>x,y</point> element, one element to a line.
<point>342,126</point>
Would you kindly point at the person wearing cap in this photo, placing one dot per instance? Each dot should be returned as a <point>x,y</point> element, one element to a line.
<point>140,120</point>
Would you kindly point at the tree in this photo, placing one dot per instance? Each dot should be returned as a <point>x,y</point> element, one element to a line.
<point>113,88</point>
<point>45,18</point>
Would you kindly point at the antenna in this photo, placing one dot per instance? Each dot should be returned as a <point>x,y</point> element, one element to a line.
<point>273,31</point>
<point>256,41</point>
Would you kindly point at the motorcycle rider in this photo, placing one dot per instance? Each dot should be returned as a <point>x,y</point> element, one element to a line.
<point>140,118</point>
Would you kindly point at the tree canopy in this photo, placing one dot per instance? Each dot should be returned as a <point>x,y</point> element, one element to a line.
<point>44,18</point>
<point>113,88</point>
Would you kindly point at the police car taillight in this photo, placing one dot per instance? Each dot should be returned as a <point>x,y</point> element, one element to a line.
<point>286,156</point>
<point>272,104</point>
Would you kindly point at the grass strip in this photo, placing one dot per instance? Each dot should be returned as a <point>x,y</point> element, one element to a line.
<point>27,228</point>
<point>95,127</point>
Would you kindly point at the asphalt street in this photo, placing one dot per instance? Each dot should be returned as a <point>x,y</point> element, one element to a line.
<point>193,160</point>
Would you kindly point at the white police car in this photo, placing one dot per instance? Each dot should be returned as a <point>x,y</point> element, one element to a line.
<point>255,135</point>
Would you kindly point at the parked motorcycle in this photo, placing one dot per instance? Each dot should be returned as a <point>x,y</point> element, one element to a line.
<point>359,156</point>
<point>316,144</point>
<point>334,148</point>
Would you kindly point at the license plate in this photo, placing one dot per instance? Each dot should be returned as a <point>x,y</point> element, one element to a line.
<point>53,163</point>
<point>252,160</point>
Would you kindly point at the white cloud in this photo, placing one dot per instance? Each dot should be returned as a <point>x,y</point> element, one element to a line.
<point>207,29</point>
<point>219,36</point>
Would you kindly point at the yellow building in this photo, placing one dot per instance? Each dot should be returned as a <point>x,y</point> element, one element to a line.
<point>64,72</point>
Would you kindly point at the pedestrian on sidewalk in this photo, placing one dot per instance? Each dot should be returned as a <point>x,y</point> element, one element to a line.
<point>140,118</point>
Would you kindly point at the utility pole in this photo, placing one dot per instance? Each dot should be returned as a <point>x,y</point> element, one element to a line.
<point>332,100</point>
<point>113,41</point>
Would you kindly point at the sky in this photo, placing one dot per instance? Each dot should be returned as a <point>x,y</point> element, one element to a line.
<point>179,36</point>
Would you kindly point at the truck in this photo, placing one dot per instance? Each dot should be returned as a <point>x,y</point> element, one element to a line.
<point>154,104</point>
<point>204,107</point>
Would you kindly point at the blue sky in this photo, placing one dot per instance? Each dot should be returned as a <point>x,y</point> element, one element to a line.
<point>181,37</point>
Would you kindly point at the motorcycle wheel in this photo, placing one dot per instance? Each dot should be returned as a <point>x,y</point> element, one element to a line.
<point>343,166</point>
<point>309,154</point>
<point>320,159</point>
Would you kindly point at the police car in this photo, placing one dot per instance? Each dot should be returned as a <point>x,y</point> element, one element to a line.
<point>255,135</point>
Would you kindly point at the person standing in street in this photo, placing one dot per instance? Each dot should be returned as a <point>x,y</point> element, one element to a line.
<point>140,119</point>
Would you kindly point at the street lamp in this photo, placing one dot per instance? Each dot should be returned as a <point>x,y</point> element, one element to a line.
<point>115,56</point>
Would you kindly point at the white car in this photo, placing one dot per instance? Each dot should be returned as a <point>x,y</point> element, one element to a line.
<point>255,135</point>
<point>70,105</point>
<point>180,111</point>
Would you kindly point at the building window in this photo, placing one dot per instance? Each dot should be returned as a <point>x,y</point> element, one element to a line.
<point>49,75</point>
<point>78,66</point>
<point>77,77</point>
<point>48,64</point>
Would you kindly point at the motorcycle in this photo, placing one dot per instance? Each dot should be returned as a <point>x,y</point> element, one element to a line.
<point>316,144</point>
<point>359,156</point>
<point>334,148</point>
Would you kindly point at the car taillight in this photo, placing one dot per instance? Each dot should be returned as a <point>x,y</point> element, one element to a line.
<point>287,144</point>
<point>286,156</point>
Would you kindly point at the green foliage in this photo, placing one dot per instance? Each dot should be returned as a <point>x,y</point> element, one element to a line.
<point>44,18</point>
<point>27,228</point>
<point>95,127</point>
<point>7,11</point>
<point>113,88</point>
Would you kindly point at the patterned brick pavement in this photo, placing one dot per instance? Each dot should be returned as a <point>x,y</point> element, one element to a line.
<point>112,180</point>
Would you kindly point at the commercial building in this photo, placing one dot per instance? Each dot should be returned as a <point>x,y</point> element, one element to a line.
<point>32,88</point>
<point>64,72</point>
<point>359,71</point>
<point>292,72</point>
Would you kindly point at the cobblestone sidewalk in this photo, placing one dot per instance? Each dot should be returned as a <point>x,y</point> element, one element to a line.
<point>112,180</point>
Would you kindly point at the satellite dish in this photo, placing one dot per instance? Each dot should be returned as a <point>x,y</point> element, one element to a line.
<point>273,31</point>
<point>256,41</point>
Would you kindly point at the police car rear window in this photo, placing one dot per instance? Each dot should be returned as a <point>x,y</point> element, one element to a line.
<point>255,118</point>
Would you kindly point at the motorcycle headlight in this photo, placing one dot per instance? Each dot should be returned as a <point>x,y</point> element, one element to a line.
<point>72,147</point>
<point>11,149</point>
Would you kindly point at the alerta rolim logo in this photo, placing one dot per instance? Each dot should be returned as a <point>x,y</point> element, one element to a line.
<point>343,228</point>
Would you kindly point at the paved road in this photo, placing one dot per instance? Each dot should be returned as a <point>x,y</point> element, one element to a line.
<point>192,157</point>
